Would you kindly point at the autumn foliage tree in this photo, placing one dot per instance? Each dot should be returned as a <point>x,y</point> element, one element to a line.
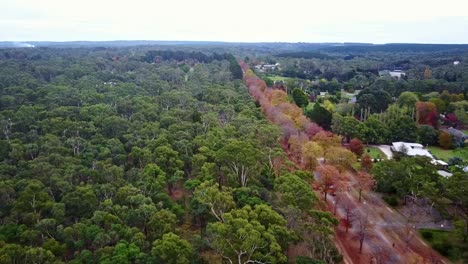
<point>311,151</point>
<point>363,182</point>
<point>356,146</point>
<point>445,140</point>
<point>327,139</point>
<point>426,113</point>
<point>328,178</point>
<point>366,163</point>
<point>427,73</point>
<point>340,157</point>
<point>349,214</point>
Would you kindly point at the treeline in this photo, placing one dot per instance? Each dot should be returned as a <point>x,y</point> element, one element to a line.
<point>178,55</point>
<point>304,55</point>
<point>394,48</point>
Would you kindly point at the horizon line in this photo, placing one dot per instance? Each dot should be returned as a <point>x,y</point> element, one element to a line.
<point>233,42</point>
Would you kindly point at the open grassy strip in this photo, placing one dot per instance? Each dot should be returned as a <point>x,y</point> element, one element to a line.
<point>446,154</point>
<point>278,78</point>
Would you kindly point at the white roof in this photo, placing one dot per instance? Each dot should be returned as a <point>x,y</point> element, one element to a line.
<point>443,173</point>
<point>439,162</point>
<point>413,149</point>
<point>408,145</point>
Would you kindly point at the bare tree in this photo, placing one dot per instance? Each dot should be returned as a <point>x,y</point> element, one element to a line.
<point>340,194</point>
<point>364,229</point>
<point>349,215</point>
<point>380,256</point>
<point>408,233</point>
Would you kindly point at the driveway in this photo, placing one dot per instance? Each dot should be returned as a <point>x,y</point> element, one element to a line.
<point>386,150</point>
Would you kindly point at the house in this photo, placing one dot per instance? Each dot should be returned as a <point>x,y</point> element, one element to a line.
<point>411,149</point>
<point>444,173</point>
<point>323,94</point>
<point>458,136</point>
<point>395,74</point>
<point>415,149</point>
<point>267,67</point>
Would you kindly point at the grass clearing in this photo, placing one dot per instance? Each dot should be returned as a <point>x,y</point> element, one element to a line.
<point>446,243</point>
<point>374,153</point>
<point>278,78</point>
<point>446,154</point>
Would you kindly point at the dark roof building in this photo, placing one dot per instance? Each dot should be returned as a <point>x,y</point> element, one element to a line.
<point>458,136</point>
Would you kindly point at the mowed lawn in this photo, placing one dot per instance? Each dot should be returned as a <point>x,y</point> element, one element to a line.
<point>446,154</point>
<point>278,78</point>
<point>374,153</point>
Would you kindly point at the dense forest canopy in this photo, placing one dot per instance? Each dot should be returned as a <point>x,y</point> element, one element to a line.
<point>139,155</point>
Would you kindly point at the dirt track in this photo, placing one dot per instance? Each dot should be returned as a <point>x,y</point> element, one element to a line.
<point>389,237</point>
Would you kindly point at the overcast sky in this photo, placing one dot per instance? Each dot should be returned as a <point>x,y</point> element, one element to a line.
<point>376,21</point>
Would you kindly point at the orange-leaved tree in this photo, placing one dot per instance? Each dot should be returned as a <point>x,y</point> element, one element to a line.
<point>328,177</point>
<point>363,182</point>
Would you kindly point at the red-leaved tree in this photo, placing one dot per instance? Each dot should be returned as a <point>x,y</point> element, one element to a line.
<point>356,146</point>
<point>427,113</point>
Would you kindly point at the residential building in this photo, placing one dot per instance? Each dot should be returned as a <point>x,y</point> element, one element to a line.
<point>458,136</point>
<point>416,149</point>
<point>396,74</point>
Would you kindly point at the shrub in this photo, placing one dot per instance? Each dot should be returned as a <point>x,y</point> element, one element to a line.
<point>427,235</point>
<point>443,248</point>
<point>391,200</point>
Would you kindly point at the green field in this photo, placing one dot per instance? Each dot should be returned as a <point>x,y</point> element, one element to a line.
<point>278,78</point>
<point>349,95</point>
<point>375,153</point>
<point>446,154</point>
<point>446,243</point>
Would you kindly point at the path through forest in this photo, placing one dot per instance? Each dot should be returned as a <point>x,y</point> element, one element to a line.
<point>388,236</point>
